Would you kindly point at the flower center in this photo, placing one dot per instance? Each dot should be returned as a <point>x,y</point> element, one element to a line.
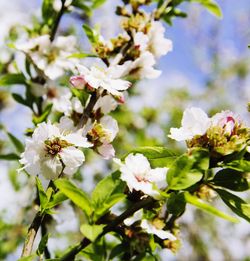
<point>54,146</point>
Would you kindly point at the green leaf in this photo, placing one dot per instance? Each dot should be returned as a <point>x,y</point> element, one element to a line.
<point>42,194</point>
<point>240,165</point>
<point>107,193</point>
<point>208,208</point>
<point>10,156</point>
<point>10,79</point>
<point>98,3</point>
<point>157,156</point>
<point>18,98</point>
<point>16,142</point>
<point>42,244</point>
<point>188,169</point>
<point>91,231</point>
<point>58,198</point>
<point>176,204</point>
<point>74,194</point>
<point>48,12</point>
<point>91,34</point>
<point>36,120</point>
<point>237,205</point>
<point>231,179</point>
<point>211,6</point>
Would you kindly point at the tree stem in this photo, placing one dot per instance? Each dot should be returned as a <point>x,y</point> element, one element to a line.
<point>70,255</point>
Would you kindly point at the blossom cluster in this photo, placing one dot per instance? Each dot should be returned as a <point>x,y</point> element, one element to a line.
<point>223,134</point>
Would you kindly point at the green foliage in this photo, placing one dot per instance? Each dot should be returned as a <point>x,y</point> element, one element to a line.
<point>208,208</point>
<point>42,194</point>
<point>42,244</point>
<point>11,79</point>
<point>231,179</point>
<point>188,169</point>
<point>9,157</point>
<point>157,156</point>
<point>107,193</point>
<point>91,34</point>
<point>239,165</point>
<point>237,205</point>
<point>16,142</point>
<point>211,6</point>
<point>75,194</point>
<point>43,117</point>
<point>48,12</point>
<point>176,203</point>
<point>91,231</point>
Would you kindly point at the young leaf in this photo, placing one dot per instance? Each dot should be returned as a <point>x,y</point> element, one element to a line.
<point>91,231</point>
<point>42,244</point>
<point>16,142</point>
<point>10,79</point>
<point>10,157</point>
<point>237,205</point>
<point>58,198</point>
<point>231,179</point>
<point>182,175</point>
<point>107,193</point>
<point>42,194</point>
<point>240,165</point>
<point>18,98</point>
<point>92,36</point>
<point>176,204</point>
<point>98,3</point>
<point>36,120</point>
<point>74,194</point>
<point>211,6</point>
<point>208,208</point>
<point>157,156</point>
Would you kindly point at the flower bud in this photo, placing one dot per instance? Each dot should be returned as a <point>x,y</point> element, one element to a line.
<point>78,82</point>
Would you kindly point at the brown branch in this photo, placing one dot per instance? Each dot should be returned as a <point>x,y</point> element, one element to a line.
<point>70,255</point>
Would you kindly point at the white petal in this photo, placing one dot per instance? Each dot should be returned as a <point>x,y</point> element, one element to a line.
<point>131,220</point>
<point>51,168</point>
<point>107,151</point>
<point>72,159</point>
<point>149,228</point>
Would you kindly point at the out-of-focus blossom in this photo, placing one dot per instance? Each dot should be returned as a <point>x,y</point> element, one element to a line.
<point>53,149</point>
<point>50,57</point>
<point>139,176</point>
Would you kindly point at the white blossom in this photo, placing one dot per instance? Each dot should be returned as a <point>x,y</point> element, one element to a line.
<point>158,45</point>
<point>226,120</point>
<point>106,104</point>
<point>103,132</point>
<point>139,176</point>
<point>97,77</point>
<point>148,226</point>
<point>53,149</point>
<point>50,57</point>
<point>194,122</point>
<point>151,229</point>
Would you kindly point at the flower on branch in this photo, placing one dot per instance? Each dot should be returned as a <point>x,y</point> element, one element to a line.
<point>101,134</point>
<point>100,78</point>
<point>139,176</point>
<point>151,227</point>
<point>54,149</point>
<point>50,57</point>
<point>223,134</point>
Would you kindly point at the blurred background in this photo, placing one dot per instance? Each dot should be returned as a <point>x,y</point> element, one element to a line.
<point>208,67</point>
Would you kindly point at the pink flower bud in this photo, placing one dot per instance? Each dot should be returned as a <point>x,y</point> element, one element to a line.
<point>78,82</point>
